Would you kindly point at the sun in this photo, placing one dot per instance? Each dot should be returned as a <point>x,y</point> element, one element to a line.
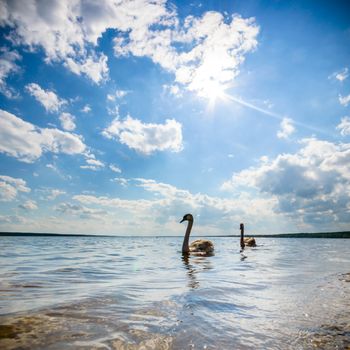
<point>213,91</point>
<point>211,78</point>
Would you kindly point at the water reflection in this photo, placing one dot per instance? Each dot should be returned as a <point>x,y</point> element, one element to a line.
<point>191,272</point>
<point>243,257</point>
<point>194,265</point>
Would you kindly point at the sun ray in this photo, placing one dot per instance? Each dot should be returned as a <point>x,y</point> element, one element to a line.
<point>274,115</point>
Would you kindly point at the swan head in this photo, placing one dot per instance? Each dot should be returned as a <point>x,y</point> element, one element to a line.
<point>187,217</point>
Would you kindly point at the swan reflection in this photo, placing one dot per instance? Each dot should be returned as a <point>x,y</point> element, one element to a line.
<point>195,265</point>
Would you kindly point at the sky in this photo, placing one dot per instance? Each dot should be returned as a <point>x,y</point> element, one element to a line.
<point>119,117</point>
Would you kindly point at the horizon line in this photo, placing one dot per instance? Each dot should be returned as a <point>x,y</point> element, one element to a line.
<point>277,235</point>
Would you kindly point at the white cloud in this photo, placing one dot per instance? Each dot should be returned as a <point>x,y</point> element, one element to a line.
<point>67,121</point>
<point>28,205</point>
<point>212,47</point>
<point>312,185</point>
<point>81,211</point>
<point>51,166</point>
<point>118,94</point>
<point>53,193</point>
<point>66,30</point>
<point>121,181</point>
<point>165,190</point>
<point>86,109</point>
<point>94,67</point>
<point>215,48</point>
<point>115,168</point>
<point>93,164</point>
<point>8,66</point>
<point>163,212</point>
<point>344,100</point>
<point>340,75</point>
<point>50,194</point>
<point>10,186</point>
<point>13,220</point>
<point>61,172</point>
<point>113,111</point>
<point>26,142</point>
<point>173,90</point>
<point>274,210</point>
<point>50,101</point>
<point>287,128</point>
<point>110,202</point>
<point>344,126</point>
<point>146,138</point>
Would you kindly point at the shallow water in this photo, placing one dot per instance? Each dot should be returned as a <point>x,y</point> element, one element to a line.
<point>140,293</point>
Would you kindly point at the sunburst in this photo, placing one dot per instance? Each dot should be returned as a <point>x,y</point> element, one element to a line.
<point>213,91</point>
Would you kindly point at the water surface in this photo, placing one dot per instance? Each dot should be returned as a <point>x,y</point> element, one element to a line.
<point>140,293</point>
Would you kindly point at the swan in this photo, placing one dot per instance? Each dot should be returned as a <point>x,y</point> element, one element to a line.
<point>246,241</point>
<point>197,247</point>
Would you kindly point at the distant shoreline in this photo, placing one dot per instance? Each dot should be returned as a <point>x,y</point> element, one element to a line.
<point>342,234</point>
<point>31,234</point>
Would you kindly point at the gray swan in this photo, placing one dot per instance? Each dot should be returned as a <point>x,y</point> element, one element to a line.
<point>246,241</point>
<point>197,247</point>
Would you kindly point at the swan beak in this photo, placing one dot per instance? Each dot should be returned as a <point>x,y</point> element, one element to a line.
<point>182,221</point>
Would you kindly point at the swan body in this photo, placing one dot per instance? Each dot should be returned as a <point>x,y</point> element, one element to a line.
<point>246,241</point>
<point>249,241</point>
<point>201,245</point>
<point>197,247</point>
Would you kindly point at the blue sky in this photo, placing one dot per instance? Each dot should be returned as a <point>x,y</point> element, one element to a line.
<point>120,117</point>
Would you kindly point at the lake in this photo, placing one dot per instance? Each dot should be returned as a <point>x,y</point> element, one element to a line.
<point>140,293</point>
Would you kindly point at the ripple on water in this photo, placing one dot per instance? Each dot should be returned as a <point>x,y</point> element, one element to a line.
<point>147,296</point>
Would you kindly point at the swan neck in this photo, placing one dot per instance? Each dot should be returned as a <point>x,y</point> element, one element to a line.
<point>185,246</point>
<point>242,237</point>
